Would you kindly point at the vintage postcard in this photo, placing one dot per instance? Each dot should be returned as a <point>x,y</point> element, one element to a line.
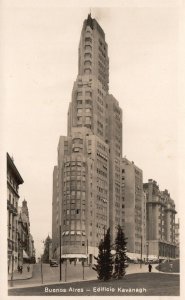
<point>90,117</point>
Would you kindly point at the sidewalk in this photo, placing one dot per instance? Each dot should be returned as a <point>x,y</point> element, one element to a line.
<point>25,274</point>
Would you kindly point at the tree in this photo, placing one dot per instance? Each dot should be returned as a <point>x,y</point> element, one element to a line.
<point>104,266</point>
<point>120,255</point>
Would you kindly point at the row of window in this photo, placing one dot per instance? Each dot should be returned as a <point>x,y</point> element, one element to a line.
<point>87,94</point>
<point>87,102</point>
<point>102,173</point>
<point>74,243</point>
<point>74,163</point>
<point>73,233</point>
<point>74,211</point>
<point>81,110</point>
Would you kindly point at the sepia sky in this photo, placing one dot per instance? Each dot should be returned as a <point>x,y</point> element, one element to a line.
<point>40,60</point>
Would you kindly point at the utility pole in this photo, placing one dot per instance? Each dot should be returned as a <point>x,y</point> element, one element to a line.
<point>83,269</point>
<point>147,245</point>
<point>87,250</point>
<point>141,251</point>
<point>41,269</point>
<point>66,271</point>
<point>60,256</point>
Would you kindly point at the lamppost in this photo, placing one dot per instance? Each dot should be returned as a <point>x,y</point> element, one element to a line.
<point>41,269</point>
<point>147,247</point>
<point>60,255</point>
<point>141,252</point>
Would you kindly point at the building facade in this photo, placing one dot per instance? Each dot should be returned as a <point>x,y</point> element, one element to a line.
<point>25,240</point>
<point>160,216</point>
<point>177,239</point>
<point>87,179</point>
<point>133,209</point>
<point>14,179</point>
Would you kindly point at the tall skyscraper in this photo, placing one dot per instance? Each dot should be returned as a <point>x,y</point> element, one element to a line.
<point>87,179</point>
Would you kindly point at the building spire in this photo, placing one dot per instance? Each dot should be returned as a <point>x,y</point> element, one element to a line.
<point>90,20</point>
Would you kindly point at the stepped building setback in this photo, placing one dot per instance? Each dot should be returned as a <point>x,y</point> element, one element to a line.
<point>87,179</point>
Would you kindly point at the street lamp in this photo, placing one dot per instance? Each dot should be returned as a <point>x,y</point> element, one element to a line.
<point>147,246</point>
<point>60,255</point>
<point>141,251</point>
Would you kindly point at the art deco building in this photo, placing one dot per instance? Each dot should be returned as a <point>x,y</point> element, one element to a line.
<point>133,209</point>
<point>161,212</point>
<point>14,179</point>
<point>87,178</point>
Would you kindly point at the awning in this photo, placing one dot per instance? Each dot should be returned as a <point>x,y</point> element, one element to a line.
<point>131,255</point>
<point>74,256</point>
<point>25,255</point>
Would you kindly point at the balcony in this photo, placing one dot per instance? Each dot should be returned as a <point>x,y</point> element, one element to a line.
<point>11,208</point>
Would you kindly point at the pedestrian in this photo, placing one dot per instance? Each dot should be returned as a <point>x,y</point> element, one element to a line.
<point>28,268</point>
<point>171,266</point>
<point>21,267</point>
<point>149,267</point>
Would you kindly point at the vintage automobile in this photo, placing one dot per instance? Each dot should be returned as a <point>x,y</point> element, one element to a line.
<point>53,263</point>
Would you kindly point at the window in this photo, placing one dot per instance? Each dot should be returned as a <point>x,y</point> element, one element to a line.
<point>79,119</point>
<point>88,94</point>
<point>88,47</point>
<point>87,71</point>
<point>87,120</point>
<point>87,55</point>
<point>88,102</point>
<point>79,111</point>
<point>79,102</point>
<point>88,39</point>
<point>72,224</point>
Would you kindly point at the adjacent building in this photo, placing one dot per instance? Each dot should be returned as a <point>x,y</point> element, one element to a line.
<point>160,217</point>
<point>133,209</point>
<point>20,241</point>
<point>14,179</point>
<point>177,239</point>
<point>25,240</point>
<point>87,179</point>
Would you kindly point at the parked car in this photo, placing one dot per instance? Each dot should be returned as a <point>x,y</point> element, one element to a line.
<point>53,263</point>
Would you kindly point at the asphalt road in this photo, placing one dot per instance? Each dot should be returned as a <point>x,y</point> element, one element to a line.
<point>140,284</point>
